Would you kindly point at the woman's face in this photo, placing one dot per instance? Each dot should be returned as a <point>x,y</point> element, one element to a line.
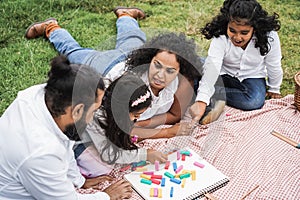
<point>162,71</point>
<point>133,116</point>
<point>239,33</point>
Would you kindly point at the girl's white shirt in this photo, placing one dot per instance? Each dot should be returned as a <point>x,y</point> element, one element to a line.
<point>89,161</point>
<point>225,58</point>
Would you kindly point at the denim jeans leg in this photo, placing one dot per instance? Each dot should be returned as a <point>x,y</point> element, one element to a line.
<point>66,45</point>
<point>129,37</point>
<point>256,93</point>
<point>78,150</point>
<point>129,34</point>
<point>246,95</point>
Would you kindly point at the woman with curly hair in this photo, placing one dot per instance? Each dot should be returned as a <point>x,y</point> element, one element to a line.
<point>168,64</point>
<point>245,51</point>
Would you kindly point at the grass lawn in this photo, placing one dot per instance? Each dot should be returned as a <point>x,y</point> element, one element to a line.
<point>92,23</point>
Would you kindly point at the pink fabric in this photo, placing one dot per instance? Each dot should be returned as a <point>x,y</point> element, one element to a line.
<point>91,165</point>
<point>240,144</point>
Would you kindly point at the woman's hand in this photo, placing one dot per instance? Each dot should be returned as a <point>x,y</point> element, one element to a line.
<point>182,128</point>
<point>186,128</point>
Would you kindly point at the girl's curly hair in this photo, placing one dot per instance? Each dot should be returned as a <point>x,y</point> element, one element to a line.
<point>256,16</point>
<point>184,49</point>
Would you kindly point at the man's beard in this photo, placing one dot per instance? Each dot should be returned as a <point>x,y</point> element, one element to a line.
<point>75,130</point>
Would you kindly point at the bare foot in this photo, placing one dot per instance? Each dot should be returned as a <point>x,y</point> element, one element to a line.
<point>119,190</point>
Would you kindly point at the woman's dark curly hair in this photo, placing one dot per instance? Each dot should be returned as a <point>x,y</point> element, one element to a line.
<point>117,104</point>
<point>184,49</point>
<point>251,10</point>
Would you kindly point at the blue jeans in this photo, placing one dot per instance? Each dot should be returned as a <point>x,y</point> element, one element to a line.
<point>129,37</point>
<point>246,95</point>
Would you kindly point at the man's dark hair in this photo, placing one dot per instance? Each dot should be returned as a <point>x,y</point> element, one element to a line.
<point>70,84</point>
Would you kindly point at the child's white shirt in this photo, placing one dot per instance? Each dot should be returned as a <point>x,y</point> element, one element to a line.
<point>225,58</point>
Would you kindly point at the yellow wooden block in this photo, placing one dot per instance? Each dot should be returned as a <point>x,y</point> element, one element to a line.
<point>183,182</point>
<point>141,169</point>
<point>193,175</point>
<point>177,175</point>
<point>151,192</point>
<point>159,193</point>
<point>145,176</point>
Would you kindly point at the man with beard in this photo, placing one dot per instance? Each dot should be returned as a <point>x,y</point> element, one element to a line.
<point>36,156</point>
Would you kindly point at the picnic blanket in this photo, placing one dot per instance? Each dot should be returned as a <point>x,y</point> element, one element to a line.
<point>240,144</point>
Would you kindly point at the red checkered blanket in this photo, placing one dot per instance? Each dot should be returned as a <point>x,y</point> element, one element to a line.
<point>240,144</point>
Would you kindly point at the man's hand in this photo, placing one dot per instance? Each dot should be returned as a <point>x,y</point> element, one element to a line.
<point>119,190</point>
<point>197,110</point>
<point>94,182</point>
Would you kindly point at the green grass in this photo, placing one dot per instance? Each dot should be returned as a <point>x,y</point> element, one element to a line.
<point>91,22</point>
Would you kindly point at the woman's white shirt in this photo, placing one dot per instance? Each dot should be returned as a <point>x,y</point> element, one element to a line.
<point>160,104</point>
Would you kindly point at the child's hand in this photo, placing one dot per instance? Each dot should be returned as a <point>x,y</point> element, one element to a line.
<point>153,155</point>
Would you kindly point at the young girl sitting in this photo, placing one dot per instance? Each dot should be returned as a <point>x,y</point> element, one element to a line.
<point>245,51</point>
<point>107,138</point>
